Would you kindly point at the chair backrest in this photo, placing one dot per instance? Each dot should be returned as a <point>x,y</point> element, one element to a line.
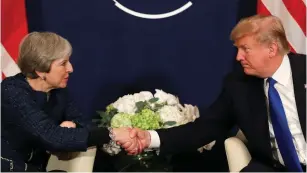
<point>241,136</point>
<point>82,162</point>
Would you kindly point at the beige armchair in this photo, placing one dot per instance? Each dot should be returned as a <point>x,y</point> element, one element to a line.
<point>80,162</point>
<point>237,154</point>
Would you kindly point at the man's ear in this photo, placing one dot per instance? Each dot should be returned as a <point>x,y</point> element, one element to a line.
<point>273,49</point>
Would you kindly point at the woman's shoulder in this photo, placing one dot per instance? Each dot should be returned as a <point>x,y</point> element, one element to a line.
<point>18,79</point>
<point>15,83</point>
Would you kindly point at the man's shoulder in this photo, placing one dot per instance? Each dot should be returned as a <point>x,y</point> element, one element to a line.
<point>298,63</point>
<point>297,59</point>
<point>297,55</point>
<point>240,77</point>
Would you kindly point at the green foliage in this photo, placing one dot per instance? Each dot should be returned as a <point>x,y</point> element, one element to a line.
<point>158,106</point>
<point>140,106</point>
<point>105,117</point>
<point>169,123</point>
<point>121,120</point>
<point>110,110</point>
<point>146,120</point>
<point>150,104</point>
<point>153,100</point>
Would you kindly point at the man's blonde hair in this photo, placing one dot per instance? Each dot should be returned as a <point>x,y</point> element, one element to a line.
<point>38,50</point>
<point>266,29</point>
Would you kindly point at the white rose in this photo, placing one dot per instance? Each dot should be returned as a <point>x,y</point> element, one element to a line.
<point>165,97</point>
<point>125,104</point>
<point>142,96</point>
<point>171,113</point>
<point>190,112</point>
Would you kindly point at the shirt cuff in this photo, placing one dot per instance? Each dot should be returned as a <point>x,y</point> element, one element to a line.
<point>155,139</point>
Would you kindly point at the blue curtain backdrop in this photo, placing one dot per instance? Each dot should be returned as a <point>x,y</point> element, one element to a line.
<point>115,53</point>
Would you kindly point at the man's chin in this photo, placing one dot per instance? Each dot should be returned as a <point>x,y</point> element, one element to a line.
<point>248,71</point>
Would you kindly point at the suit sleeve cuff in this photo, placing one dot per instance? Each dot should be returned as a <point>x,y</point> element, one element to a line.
<point>98,136</point>
<point>155,139</point>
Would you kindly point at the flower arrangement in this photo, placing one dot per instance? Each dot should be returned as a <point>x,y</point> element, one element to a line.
<point>147,111</point>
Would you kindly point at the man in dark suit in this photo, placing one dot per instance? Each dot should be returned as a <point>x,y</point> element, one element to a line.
<point>267,102</point>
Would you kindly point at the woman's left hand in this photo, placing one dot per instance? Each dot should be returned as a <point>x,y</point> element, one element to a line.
<point>68,124</point>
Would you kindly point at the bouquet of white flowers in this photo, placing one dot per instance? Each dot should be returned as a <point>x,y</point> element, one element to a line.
<point>146,111</point>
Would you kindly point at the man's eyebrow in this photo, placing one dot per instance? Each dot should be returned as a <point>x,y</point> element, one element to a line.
<point>243,46</point>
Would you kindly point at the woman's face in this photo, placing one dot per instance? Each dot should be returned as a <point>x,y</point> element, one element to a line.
<point>59,73</point>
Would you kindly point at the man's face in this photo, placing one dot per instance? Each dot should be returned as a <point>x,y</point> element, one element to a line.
<point>253,56</point>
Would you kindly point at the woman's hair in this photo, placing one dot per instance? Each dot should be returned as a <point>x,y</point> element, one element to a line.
<point>265,29</point>
<point>38,50</point>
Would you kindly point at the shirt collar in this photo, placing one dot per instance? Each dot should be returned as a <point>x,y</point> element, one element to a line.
<point>283,73</point>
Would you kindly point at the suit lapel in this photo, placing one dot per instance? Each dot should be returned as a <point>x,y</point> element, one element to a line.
<point>259,120</point>
<point>299,80</point>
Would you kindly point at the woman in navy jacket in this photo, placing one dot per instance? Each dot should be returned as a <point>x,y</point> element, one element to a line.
<point>38,116</point>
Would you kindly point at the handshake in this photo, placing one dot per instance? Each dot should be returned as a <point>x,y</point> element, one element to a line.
<point>132,140</point>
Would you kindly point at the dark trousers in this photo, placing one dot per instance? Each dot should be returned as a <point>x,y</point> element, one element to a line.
<point>256,166</point>
<point>103,162</point>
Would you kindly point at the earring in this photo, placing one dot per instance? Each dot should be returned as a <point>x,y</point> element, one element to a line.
<point>43,77</point>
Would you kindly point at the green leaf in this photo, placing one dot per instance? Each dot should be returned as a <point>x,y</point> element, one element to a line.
<point>102,125</point>
<point>140,106</point>
<point>102,113</point>
<point>113,112</point>
<point>157,107</point>
<point>170,123</point>
<point>105,119</point>
<point>96,120</point>
<point>153,100</point>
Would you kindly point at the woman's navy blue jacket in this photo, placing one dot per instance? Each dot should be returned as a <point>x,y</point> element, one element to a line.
<point>30,122</point>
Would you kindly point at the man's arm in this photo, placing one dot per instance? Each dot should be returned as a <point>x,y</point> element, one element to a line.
<point>215,121</point>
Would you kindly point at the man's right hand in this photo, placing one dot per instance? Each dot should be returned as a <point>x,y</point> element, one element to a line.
<point>143,137</point>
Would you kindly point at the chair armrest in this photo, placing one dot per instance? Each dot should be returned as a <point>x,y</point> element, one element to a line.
<point>241,136</point>
<point>81,162</point>
<point>237,154</point>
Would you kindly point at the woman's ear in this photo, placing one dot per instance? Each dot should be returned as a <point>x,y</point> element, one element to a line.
<point>42,75</point>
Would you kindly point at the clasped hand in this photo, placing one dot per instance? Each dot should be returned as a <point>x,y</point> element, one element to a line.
<point>133,140</point>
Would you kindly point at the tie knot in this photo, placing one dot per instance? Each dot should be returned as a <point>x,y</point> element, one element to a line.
<point>271,81</point>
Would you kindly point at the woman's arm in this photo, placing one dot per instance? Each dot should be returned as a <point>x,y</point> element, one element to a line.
<point>72,113</point>
<point>53,137</point>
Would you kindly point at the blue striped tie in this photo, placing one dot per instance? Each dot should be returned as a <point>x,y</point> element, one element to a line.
<point>281,129</point>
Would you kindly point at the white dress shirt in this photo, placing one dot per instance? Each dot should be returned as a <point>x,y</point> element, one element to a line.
<point>284,86</point>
